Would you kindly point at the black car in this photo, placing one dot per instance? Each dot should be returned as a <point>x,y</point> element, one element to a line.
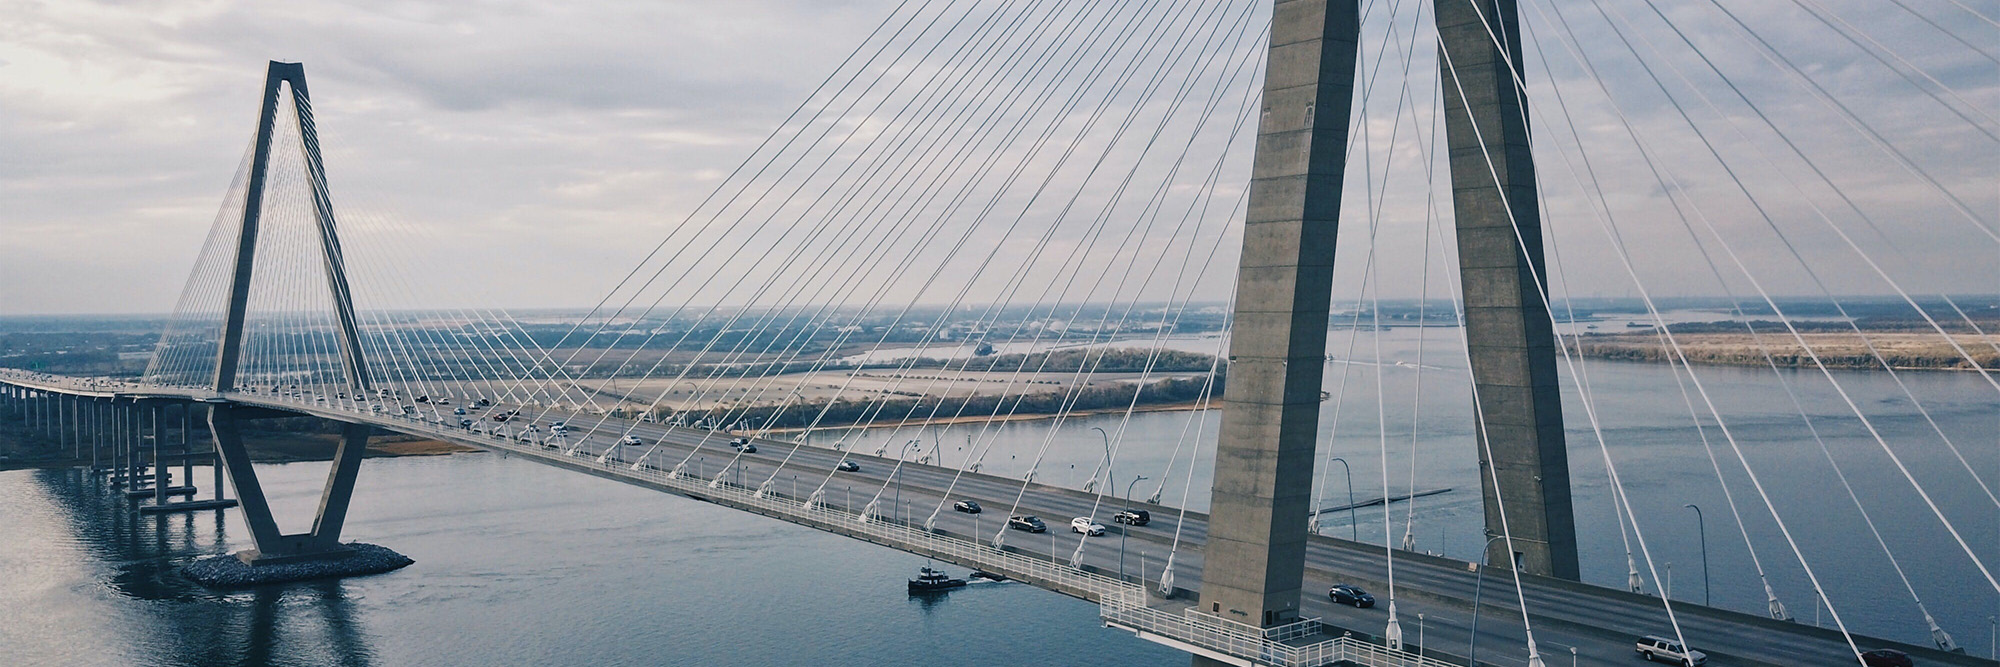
<point>848,466</point>
<point>1886,657</point>
<point>966,506</point>
<point>1027,523</point>
<point>1345,594</point>
<point>749,449</point>
<point>1133,517</point>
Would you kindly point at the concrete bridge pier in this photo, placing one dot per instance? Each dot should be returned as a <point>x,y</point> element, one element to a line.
<point>184,451</point>
<point>100,424</point>
<point>272,545</point>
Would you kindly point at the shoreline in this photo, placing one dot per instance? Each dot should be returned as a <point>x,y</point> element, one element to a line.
<point>1842,351</point>
<point>1182,406</point>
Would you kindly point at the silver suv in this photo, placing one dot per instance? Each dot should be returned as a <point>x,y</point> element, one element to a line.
<point>1662,649</point>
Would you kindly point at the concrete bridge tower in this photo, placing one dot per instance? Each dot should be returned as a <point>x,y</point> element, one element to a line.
<point>1254,562</point>
<point>324,538</point>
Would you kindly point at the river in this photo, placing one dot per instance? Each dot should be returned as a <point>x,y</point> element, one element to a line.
<point>523,564</point>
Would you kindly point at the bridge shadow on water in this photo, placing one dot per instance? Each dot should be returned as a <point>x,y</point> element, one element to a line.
<point>185,623</point>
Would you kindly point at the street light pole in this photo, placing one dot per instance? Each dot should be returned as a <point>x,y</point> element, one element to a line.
<point>1127,529</point>
<point>1112,481</point>
<point>1701,525</point>
<point>1353,530</point>
<point>1478,587</point>
<point>1420,635</point>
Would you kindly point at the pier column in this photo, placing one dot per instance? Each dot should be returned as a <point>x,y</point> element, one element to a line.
<point>96,434</point>
<point>1254,562</point>
<point>1523,464</point>
<point>274,546</point>
<point>159,463</point>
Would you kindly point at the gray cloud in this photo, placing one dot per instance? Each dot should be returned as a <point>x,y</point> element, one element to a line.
<point>555,142</point>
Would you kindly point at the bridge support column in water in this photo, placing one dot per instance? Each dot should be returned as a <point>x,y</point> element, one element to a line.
<point>1254,562</point>
<point>273,546</point>
<point>1523,465</point>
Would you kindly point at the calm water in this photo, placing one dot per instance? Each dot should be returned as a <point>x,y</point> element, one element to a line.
<point>517,564</point>
<point>522,564</point>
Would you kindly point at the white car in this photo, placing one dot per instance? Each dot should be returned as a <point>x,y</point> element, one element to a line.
<point>629,440</point>
<point>1662,649</point>
<point>1084,525</point>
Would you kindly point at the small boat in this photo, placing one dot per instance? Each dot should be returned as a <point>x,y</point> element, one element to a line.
<point>932,581</point>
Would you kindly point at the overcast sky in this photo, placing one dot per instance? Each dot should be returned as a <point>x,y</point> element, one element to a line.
<point>544,146</point>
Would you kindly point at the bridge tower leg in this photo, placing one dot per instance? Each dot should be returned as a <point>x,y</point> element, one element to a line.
<point>1254,560</point>
<point>273,546</point>
<point>1511,339</point>
<point>1254,563</point>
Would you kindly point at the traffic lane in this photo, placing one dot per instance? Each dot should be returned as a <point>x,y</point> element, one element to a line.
<point>1616,618</point>
<point>1502,639</point>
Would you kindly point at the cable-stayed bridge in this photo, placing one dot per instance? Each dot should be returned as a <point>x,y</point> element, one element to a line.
<point>1053,176</point>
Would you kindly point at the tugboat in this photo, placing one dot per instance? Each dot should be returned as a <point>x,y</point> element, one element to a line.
<point>933,581</point>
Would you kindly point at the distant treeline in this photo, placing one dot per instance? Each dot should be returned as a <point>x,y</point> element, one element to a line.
<point>1101,360</point>
<point>1633,347</point>
<point>849,412</point>
<point>1895,324</point>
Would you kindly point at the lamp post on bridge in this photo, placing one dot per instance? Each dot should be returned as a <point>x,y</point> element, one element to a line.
<point>1353,530</point>
<point>1109,479</point>
<point>1478,587</point>
<point>893,472</point>
<point>1122,532</point>
<point>1701,525</point>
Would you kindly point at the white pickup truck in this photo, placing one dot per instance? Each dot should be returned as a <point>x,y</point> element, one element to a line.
<point>1662,649</point>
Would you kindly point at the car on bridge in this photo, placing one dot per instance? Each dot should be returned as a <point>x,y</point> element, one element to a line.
<point>1886,657</point>
<point>739,442</point>
<point>1663,649</point>
<point>967,506</point>
<point>458,411</point>
<point>1345,594</point>
<point>1030,523</point>
<point>1084,525</point>
<point>848,466</point>
<point>1133,517</point>
<point>629,440</point>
